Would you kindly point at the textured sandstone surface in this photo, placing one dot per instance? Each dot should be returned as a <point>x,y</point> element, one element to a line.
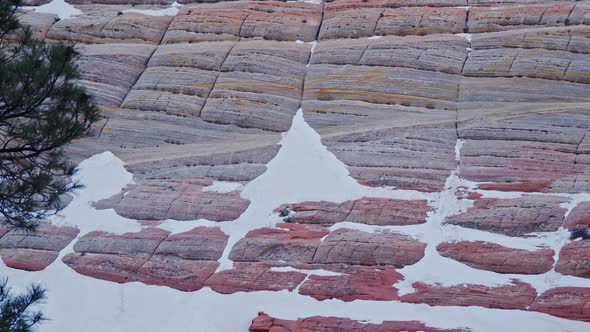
<point>579,217</point>
<point>574,259</point>
<point>355,283</point>
<point>312,244</point>
<point>370,211</point>
<point>34,251</point>
<point>266,323</point>
<point>391,87</point>
<point>179,200</point>
<point>274,20</point>
<point>566,302</point>
<point>494,257</point>
<point>253,277</point>
<point>110,24</point>
<point>513,217</point>
<point>518,295</point>
<point>182,261</point>
<point>362,248</point>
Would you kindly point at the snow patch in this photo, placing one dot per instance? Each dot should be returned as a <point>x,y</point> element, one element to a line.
<point>103,176</point>
<point>315,272</point>
<point>62,9</point>
<point>170,11</point>
<point>224,187</point>
<point>467,36</point>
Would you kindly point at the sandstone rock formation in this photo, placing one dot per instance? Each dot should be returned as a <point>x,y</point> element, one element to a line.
<point>494,257</point>
<point>449,104</point>
<point>34,251</point>
<point>579,217</point>
<point>179,200</point>
<point>518,295</point>
<point>154,257</point>
<point>265,323</point>
<point>514,217</point>
<point>355,283</point>
<point>566,302</point>
<point>253,277</point>
<point>574,259</point>
<point>370,211</point>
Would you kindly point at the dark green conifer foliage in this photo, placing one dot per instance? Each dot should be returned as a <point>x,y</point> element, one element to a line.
<point>18,312</point>
<point>41,110</point>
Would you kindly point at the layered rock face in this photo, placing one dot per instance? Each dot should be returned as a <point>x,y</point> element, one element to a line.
<point>513,217</point>
<point>182,261</point>
<point>496,258</point>
<point>266,323</point>
<point>35,251</point>
<point>370,211</point>
<point>464,122</point>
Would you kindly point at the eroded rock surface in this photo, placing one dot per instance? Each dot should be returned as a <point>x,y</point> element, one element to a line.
<point>179,200</point>
<point>518,295</point>
<point>273,20</point>
<point>265,323</point>
<point>565,302</point>
<point>404,93</point>
<point>574,259</point>
<point>513,217</point>
<point>370,211</point>
<point>154,257</point>
<point>579,217</point>
<point>354,283</point>
<point>496,258</point>
<point>34,251</point>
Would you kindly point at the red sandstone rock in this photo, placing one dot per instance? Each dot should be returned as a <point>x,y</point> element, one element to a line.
<point>579,217</point>
<point>371,211</point>
<point>37,250</point>
<point>265,323</point>
<point>182,261</point>
<point>523,186</point>
<point>176,199</point>
<point>513,217</point>
<point>115,268</point>
<point>519,295</point>
<point>485,19</point>
<point>255,19</point>
<point>28,259</point>
<point>351,19</point>
<point>565,302</point>
<point>494,257</point>
<point>574,259</point>
<point>182,274</point>
<point>354,247</point>
<point>104,24</point>
<point>200,243</point>
<point>290,243</point>
<point>357,283</point>
<point>249,277</point>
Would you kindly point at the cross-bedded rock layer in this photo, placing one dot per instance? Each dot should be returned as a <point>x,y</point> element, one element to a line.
<point>390,86</point>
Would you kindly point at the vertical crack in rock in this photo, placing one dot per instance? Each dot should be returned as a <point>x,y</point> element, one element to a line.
<point>242,26</point>
<point>216,78</point>
<point>317,35</point>
<point>146,62</point>
<point>577,152</point>
<point>103,126</point>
